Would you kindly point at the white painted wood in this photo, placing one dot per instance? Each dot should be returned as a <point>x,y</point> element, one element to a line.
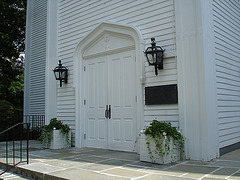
<point>27,53</point>
<point>171,155</point>
<point>76,19</point>
<point>79,18</point>
<point>93,36</point>
<point>196,78</point>
<point>35,58</point>
<point>202,27</point>
<point>96,127</point>
<point>226,18</point>
<point>109,80</point>
<point>122,98</point>
<point>60,141</point>
<point>51,63</point>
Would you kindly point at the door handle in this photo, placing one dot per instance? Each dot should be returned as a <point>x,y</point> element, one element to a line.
<point>106,112</point>
<point>109,112</point>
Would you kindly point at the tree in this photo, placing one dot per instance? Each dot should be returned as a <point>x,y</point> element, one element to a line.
<point>13,20</point>
<point>12,37</point>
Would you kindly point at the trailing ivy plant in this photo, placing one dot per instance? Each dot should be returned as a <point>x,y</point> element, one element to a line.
<point>159,131</point>
<point>47,131</point>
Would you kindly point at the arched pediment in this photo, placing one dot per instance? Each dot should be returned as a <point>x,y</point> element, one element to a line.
<point>108,42</point>
<point>107,37</point>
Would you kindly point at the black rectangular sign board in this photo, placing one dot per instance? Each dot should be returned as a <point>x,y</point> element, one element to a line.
<point>166,94</point>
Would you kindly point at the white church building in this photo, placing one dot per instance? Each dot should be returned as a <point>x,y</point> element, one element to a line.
<point>102,43</point>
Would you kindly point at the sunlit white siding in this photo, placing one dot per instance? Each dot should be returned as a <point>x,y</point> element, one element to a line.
<point>35,62</point>
<point>153,18</point>
<point>226,22</point>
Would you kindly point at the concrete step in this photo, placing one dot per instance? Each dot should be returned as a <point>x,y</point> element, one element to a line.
<point>10,175</point>
<point>21,173</point>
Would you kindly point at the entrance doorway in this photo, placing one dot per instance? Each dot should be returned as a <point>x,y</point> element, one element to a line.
<point>110,101</point>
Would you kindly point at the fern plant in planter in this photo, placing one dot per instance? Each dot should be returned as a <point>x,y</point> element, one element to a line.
<point>161,143</point>
<point>56,135</point>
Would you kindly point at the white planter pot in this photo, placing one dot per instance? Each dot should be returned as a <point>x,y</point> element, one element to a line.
<point>172,155</point>
<point>59,141</point>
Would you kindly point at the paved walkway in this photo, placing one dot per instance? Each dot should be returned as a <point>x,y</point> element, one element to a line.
<point>90,164</point>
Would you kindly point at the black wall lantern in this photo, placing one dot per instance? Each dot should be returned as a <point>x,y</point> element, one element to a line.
<point>61,73</point>
<point>154,56</point>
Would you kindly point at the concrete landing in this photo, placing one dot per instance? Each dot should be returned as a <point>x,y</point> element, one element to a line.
<point>90,164</point>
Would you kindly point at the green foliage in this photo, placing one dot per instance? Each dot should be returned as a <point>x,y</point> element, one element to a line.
<point>9,116</point>
<point>12,23</point>
<point>6,108</point>
<point>12,37</point>
<point>157,129</point>
<point>47,131</point>
<point>162,130</point>
<point>18,85</point>
<point>46,136</point>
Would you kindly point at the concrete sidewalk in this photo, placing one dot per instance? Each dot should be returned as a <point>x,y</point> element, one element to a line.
<point>89,163</point>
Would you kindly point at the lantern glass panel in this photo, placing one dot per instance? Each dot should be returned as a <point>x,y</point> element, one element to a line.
<point>63,74</point>
<point>151,58</point>
<point>56,73</point>
<point>159,56</point>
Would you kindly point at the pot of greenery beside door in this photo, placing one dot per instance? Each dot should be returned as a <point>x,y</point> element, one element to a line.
<point>161,143</point>
<point>56,135</point>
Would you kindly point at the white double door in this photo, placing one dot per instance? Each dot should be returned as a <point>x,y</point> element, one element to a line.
<point>110,82</point>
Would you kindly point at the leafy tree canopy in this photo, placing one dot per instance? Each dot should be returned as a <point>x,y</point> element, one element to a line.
<point>12,37</point>
<point>12,24</point>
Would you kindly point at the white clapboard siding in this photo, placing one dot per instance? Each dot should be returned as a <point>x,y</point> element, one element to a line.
<point>36,59</point>
<point>154,18</point>
<point>226,21</point>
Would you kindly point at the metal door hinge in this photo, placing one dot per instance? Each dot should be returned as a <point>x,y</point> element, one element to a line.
<point>84,68</point>
<point>84,101</point>
<point>136,98</point>
<point>84,136</point>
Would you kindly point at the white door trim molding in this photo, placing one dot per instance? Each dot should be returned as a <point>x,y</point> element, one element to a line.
<point>122,30</point>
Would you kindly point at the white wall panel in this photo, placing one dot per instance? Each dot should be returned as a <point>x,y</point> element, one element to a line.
<point>154,18</point>
<point>34,93</point>
<point>227,45</point>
